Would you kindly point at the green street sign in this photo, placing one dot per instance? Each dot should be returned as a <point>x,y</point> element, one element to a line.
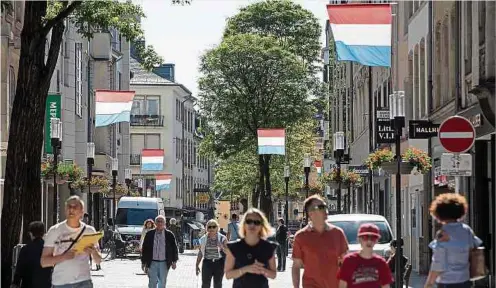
<point>52,110</point>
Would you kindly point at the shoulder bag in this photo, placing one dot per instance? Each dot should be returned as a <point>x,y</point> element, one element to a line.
<point>477,259</point>
<point>75,240</point>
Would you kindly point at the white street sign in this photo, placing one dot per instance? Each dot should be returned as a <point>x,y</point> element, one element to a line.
<point>456,164</point>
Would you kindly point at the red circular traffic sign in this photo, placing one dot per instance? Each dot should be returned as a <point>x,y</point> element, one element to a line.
<point>456,134</point>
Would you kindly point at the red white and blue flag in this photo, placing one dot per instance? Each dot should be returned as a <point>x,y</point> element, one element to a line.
<point>271,141</point>
<point>152,160</point>
<point>112,107</point>
<point>362,33</point>
<point>162,182</point>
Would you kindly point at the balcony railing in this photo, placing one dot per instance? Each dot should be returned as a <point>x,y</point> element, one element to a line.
<point>147,120</point>
<point>135,159</point>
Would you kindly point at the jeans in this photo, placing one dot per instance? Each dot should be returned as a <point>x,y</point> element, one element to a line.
<point>281,256</point>
<point>157,274</point>
<point>83,284</point>
<point>467,284</point>
<point>215,269</point>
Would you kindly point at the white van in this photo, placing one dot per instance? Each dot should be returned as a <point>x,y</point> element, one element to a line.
<point>350,223</point>
<point>132,213</point>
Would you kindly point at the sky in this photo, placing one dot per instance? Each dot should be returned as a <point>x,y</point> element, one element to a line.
<point>181,34</point>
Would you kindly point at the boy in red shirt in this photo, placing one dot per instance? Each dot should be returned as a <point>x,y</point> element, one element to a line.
<point>364,269</point>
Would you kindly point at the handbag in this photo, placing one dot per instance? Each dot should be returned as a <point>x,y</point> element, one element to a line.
<point>478,268</point>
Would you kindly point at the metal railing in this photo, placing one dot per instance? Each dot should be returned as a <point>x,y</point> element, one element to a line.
<point>147,120</point>
<point>135,159</point>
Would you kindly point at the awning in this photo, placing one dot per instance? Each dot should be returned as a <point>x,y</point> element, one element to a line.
<point>193,226</point>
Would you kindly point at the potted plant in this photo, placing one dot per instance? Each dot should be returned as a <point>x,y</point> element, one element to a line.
<point>120,190</point>
<point>377,159</point>
<point>417,159</point>
<point>331,178</point>
<point>68,172</point>
<point>352,179</point>
<point>98,184</point>
<point>47,169</point>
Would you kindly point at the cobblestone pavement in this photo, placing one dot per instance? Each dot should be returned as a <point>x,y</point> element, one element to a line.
<point>126,273</point>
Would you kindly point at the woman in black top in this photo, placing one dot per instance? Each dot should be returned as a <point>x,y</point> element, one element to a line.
<point>250,260</point>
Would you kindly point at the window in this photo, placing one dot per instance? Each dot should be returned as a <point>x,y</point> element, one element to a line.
<point>146,105</point>
<point>468,37</point>
<point>482,22</point>
<point>144,141</point>
<point>78,85</point>
<point>58,81</point>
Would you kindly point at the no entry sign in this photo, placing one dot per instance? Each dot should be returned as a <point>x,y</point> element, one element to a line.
<point>456,134</point>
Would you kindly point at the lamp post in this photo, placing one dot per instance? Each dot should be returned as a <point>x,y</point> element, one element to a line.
<point>338,138</point>
<point>286,180</point>
<point>115,168</point>
<point>55,135</point>
<point>90,157</point>
<point>128,175</point>
<point>397,116</point>
<point>306,169</point>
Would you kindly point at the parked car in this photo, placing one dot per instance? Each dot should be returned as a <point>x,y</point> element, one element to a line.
<point>350,224</point>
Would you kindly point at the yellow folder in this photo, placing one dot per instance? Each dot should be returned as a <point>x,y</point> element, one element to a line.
<point>87,240</point>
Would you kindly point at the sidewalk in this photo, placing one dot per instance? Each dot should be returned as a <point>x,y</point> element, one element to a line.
<point>417,280</point>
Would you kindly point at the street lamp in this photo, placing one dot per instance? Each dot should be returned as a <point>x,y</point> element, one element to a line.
<point>397,116</point>
<point>128,174</point>
<point>115,168</point>
<point>306,169</point>
<point>90,157</point>
<point>286,180</point>
<point>338,138</point>
<point>56,136</point>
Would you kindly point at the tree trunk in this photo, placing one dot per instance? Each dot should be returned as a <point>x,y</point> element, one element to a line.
<point>266,197</point>
<point>22,191</point>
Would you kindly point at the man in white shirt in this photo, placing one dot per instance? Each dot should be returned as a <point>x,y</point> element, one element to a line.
<point>71,270</point>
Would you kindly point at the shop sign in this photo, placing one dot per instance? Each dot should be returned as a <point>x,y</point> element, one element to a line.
<point>383,128</point>
<point>359,169</point>
<point>421,129</point>
<point>52,110</point>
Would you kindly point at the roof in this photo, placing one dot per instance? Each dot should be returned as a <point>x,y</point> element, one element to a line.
<point>355,217</point>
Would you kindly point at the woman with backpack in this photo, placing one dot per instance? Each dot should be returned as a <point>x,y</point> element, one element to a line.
<point>211,250</point>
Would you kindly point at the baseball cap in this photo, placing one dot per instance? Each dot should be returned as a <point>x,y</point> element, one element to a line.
<point>369,230</point>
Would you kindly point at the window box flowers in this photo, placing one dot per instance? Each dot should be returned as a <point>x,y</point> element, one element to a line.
<point>66,172</point>
<point>98,184</point>
<point>377,159</point>
<point>418,159</point>
<point>331,178</point>
<point>352,179</point>
<point>412,159</point>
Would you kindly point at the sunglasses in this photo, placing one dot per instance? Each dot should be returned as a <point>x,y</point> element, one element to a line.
<point>254,222</point>
<point>212,227</point>
<point>320,207</point>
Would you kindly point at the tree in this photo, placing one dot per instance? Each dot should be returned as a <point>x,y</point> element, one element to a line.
<point>250,82</point>
<point>22,199</point>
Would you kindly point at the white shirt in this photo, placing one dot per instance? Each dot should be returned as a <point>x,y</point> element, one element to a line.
<point>69,271</point>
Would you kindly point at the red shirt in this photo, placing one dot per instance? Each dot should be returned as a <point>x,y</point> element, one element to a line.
<point>359,272</point>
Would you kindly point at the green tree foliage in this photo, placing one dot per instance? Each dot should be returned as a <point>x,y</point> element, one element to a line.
<point>22,197</point>
<point>296,28</point>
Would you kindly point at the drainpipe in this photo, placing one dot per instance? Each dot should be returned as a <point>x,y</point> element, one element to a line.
<point>458,54</point>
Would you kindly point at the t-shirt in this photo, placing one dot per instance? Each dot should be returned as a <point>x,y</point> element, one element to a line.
<point>71,271</point>
<point>320,254</point>
<point>359,272</point>
<point>233,230</point>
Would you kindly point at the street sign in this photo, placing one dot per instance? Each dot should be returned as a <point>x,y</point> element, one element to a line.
<point>359,169</point>
<point>201,190</point>
<point>421,129</point>
<point>456,134</point>
<point>203,198</point>
<point>456,164</point>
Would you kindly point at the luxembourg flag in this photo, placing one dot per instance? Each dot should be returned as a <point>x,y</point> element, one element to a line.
<point>152,160</point>
<point>318,166</point>
<point>271,141</point>
<point>163,181</point>
<point>362,33</point>
<point>112,107</point>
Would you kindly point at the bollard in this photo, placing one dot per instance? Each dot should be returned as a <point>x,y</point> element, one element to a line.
<point>15,256</point>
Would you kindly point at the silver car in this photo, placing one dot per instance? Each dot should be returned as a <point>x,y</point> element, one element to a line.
<point>350,224</point>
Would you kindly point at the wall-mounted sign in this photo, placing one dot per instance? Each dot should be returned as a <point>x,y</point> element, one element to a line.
<point>421,129</point>
<point>52,110</point>
<point>359,169</point>
<point>384,132</point>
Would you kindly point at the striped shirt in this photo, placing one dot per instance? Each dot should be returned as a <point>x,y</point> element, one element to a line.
<point>159,246</point>
<point>212,249</point>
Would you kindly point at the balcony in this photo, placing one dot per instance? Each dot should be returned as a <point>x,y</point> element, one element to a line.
<point>135,159</point>
<point>147,120</point>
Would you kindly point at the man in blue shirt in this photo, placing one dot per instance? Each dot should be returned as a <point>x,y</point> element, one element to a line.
<point>232,228</point>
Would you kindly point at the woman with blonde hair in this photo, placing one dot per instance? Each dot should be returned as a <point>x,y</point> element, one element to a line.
<point>212,246</point>
<point>250,260</point>
<point>147,226</point>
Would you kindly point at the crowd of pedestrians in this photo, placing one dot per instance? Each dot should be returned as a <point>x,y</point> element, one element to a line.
<point>244,254</point>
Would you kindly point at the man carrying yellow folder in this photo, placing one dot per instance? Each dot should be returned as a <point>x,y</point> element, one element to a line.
<point>68,247</point>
